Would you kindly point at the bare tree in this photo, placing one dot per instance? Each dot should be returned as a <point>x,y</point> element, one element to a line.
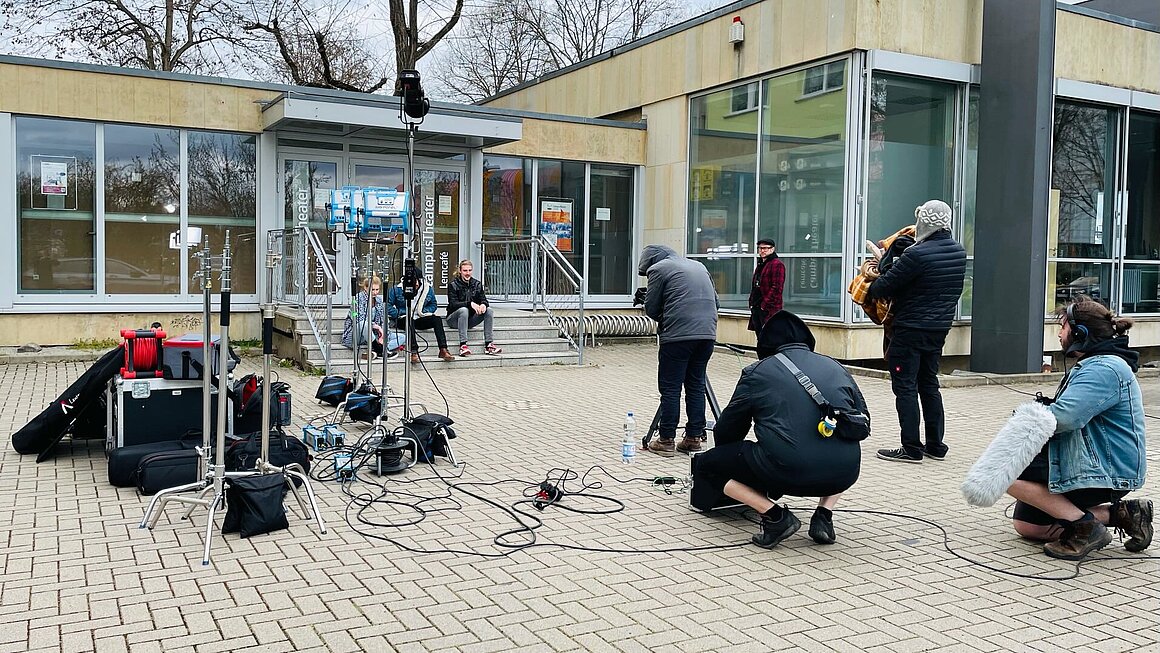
<point>508,42</point>
<point>494,50</point>
<point>166,35</point>
<point>574,30</point>
<point>315,46</point>
<point>410,43</point>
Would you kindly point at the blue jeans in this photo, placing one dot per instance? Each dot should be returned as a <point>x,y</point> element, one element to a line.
<point>680,364</point>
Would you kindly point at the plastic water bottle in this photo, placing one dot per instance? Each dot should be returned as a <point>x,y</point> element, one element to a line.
<point>628,444</point>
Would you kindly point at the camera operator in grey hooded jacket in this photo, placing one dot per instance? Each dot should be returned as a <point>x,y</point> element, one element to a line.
<point>682,300</point>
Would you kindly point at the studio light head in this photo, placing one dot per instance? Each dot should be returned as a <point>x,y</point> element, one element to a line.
<point>410,88</point>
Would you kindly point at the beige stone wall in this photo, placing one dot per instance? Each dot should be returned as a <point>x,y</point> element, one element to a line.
<point>581,142</point>
<point>778,34</point>
<point>1101,52</point>
<point>70,328</point>
<point>951,30</point>
<point>122,98</point>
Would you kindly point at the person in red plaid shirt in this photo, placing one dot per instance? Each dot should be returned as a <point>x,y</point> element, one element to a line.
<point>768,281</point>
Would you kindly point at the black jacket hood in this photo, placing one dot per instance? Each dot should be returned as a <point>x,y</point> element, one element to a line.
<point>1117,346</point>
<point>783,329</point>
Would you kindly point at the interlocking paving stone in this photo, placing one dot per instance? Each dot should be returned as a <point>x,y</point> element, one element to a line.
<point>77,574</point>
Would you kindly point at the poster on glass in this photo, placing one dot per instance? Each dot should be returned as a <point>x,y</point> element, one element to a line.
<point>556,223</point>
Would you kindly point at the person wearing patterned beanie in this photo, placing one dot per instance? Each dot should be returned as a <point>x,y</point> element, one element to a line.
<point>925,284</point>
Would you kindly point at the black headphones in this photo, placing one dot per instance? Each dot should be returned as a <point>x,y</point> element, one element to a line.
<point>1079,332</point>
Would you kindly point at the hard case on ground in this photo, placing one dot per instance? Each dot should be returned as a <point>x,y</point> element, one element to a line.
<point>141,411</point>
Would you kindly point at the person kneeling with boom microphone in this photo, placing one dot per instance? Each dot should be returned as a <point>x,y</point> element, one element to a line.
<point>809,417</point>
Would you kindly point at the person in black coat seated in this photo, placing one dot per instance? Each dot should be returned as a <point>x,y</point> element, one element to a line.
<point>790,456</point>
<point>925,284</point>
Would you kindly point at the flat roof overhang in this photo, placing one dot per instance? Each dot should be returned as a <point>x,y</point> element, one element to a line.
<point>377,118</point>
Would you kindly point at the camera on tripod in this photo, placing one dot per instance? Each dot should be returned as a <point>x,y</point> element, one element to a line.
<point>410,87</point>
<point>410,279</point>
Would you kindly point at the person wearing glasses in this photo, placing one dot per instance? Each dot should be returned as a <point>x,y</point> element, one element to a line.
<point>768,283</point>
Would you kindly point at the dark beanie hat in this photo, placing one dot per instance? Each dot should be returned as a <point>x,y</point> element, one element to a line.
<point>784,328</point>
<point>767,241</point>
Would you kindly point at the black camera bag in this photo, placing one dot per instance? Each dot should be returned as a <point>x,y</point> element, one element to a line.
<point>243,453</point>
<point>158,471</point>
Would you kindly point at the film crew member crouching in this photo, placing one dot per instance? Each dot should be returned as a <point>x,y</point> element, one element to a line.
<point>792,455</point>
<point>1095,452</point>
<point>682,300</point>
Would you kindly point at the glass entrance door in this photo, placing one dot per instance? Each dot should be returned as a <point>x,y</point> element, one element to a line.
<point>307,182</point>
<point>610,231</point>
<point>438,225</point>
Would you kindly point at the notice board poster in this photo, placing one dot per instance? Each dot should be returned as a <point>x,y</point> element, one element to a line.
<point>556,222</point>
<point>53,178</point>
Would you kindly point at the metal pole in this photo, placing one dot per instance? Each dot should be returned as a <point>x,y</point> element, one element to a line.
<point>205,274</point>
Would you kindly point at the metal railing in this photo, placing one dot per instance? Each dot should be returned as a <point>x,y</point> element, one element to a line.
<point>305,279</point>
<point>534,271</point>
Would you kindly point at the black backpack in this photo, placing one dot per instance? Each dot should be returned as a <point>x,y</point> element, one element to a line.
<point>247,395</point>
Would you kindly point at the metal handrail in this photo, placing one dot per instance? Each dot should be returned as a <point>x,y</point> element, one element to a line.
<point>332,287</point>
<point>538,244</point>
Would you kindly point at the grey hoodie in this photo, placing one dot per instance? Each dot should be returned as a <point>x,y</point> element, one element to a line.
<point>681,297</point>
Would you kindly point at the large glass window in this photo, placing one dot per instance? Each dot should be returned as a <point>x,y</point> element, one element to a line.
<point>1142,215</point>
<point>56,177</point>
<point>803,154</point>
<point>722,175</point>
<point>911,150</point>
<point>560,187</point>
<point>610,247</point>
<point>1082,207</point>
<point>507,197</point>
<point>970,183</point>
<point>223,196</point>
<point>142,202</point>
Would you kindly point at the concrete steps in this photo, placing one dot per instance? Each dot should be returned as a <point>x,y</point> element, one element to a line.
<point>526,339</point>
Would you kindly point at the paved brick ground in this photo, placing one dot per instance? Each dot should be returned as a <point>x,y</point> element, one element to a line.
<point>76,574</point>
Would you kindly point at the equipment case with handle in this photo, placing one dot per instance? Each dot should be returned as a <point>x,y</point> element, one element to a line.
<point>140,411</point>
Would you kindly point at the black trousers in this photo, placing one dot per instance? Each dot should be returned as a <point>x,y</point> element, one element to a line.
<point>682,364</point>
<point>423,324</point>
<point>913,358</point>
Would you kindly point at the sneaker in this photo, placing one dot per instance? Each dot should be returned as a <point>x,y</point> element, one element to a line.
<point>773,532</point>
<point>367,355</point>
<point>898,455</point>
<point>935,456</point>
<point>661,446</point>
<point>1134,519</point>
<point>492,350</point>
<point>822,529</point>
<point>1079,538</point>
<point>690,445</point>
<point>464,350</point>
<point>393,353</point>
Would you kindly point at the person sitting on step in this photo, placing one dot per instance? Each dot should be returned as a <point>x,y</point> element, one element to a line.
<point>422,316</point>
<point>354,332</point>
<point>467,306</point>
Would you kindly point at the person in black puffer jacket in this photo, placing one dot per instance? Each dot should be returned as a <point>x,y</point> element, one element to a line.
<point>925,284</point>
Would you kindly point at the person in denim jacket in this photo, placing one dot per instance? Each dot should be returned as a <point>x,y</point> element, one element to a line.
<point>1074,489</point>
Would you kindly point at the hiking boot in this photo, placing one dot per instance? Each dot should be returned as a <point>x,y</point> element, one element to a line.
<point>773,532</point>
<point>1079,538</point>
<point>662,446</point>
<point>899,455</point>
<point>445,355</point>
<point>1134,519</point>
<point>822,529</point>
<point>690,445</point>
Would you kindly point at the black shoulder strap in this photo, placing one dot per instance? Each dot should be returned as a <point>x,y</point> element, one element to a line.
<point>804,380</point>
